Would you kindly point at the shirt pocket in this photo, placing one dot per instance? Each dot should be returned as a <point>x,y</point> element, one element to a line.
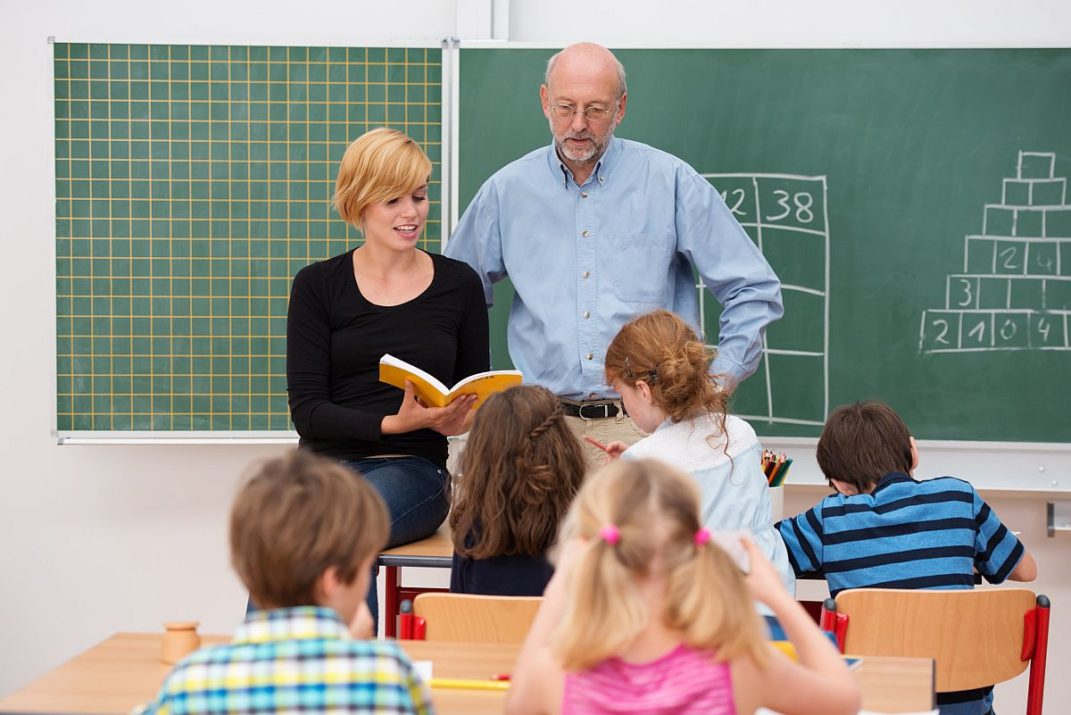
<point>641,266</point>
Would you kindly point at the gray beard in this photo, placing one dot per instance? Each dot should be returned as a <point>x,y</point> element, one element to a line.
<point>583,157</point>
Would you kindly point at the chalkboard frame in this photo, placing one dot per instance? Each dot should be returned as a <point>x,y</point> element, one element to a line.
<point>452,123</point>
<point>531,74</point>
<point>438,150</point>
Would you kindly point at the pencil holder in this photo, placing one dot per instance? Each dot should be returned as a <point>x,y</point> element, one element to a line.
<point>777,504</point>
<point>180,639</point>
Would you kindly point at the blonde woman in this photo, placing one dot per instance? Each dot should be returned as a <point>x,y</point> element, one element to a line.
<point>385,296</point>
<point>646,614</point>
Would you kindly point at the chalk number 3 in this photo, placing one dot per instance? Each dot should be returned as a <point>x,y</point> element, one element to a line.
<point>801,203</point>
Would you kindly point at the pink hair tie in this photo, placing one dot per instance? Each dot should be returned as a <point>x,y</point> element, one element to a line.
<point>702,536</point>
<point>610,534</point>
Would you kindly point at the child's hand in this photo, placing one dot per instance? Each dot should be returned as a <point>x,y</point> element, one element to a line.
<point>762,579</point>
<point>612,450</point>
<point>361,625</point>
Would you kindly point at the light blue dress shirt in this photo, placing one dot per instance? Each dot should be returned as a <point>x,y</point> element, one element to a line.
<point>584,260</point>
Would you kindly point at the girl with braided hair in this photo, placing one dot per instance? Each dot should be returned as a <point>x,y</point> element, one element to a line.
<point>520,470</point>
<point>662,370</point>
<point>645,613</point>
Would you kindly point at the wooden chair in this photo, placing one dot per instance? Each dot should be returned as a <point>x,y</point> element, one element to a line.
<point>475,619</point>
<point>976,637</point>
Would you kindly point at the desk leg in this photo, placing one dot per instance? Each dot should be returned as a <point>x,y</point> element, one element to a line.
<point>390,606</point>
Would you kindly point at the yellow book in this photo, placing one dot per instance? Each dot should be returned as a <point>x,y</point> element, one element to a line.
<point>786,647</point>
<point>395,371</point>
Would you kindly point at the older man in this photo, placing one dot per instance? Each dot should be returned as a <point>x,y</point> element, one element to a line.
<point>594,230</point>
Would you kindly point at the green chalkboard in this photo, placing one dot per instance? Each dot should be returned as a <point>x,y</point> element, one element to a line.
<point>913,202</point>
<point>192,182</point>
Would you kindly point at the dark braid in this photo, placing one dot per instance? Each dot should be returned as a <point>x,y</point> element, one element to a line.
<point>516,481</point>
<point>546,424</point>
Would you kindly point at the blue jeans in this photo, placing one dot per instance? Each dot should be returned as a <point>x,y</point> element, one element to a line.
<point>417,493</point>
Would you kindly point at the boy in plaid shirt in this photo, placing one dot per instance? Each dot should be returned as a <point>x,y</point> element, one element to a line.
<point>304,532</point>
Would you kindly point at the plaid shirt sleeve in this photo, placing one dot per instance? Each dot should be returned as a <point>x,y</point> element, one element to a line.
<point>419,692</point>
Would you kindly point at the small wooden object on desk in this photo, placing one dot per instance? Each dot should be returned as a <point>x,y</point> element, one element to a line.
<point>180,639</point>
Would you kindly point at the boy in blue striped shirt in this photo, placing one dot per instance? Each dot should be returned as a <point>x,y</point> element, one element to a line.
<point>304,532</point>
<point>884,529</point>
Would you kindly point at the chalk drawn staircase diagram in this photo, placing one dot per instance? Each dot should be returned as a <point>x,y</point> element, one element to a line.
<point>1015,289</point>
<point>786,216</point>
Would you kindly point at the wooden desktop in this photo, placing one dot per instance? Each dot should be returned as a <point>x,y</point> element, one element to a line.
<point>125,670</point>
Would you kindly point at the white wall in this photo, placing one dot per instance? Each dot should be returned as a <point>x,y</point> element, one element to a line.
<point>97,539</point>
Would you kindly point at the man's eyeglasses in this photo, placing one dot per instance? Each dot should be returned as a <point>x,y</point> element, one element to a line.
<point>593,113</point>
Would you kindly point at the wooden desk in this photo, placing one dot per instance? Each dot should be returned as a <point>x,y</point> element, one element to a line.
<point>125,671</point>
<point>436,551</point>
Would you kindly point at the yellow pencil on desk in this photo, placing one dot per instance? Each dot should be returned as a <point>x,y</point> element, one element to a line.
<point>469,684</point>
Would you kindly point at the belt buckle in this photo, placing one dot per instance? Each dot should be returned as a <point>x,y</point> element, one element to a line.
<point>604,408</point>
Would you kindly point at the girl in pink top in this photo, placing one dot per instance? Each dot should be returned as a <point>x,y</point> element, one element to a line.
<point>646,614</point>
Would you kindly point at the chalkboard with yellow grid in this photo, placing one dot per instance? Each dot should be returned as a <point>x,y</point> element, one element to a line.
<point>192,183</point>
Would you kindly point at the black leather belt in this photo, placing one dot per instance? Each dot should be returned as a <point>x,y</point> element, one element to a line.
<point>591,409</point>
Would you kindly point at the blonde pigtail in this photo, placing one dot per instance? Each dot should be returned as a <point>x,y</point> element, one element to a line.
<point>713,607</point>
<point>605,611</point>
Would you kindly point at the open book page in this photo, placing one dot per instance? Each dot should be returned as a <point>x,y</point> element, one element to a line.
<point>485,384</point>
<point>432,392</point>
<point>395,371</point>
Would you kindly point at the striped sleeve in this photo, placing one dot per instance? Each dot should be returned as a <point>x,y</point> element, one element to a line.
<point>803,535</point>
<point>997,550</point>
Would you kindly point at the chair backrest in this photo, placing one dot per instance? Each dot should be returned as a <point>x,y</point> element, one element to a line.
<point>976,637</point>
<point>476,619</point>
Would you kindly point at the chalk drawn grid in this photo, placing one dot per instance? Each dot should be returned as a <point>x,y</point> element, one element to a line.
<point>1014,292</point>
<point>786,216</point>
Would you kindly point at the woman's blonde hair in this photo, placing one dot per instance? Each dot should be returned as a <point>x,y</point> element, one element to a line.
<point>655,511</point>
<point>520,470</point>
<point>380,165</point>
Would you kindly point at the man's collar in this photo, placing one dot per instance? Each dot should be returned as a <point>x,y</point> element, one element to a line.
<point>602,166</point>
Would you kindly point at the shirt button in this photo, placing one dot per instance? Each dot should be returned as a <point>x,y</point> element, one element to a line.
<point>592,395</point>
<point>602,179</point>
<point>585,233</point>
<point>589,356</point>
<point>586,315</point>
<point>585,275</point>
<point>583,194</point>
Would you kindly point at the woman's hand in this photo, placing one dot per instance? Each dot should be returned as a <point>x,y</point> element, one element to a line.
<point>455,417</point>
<point>413,415</point>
